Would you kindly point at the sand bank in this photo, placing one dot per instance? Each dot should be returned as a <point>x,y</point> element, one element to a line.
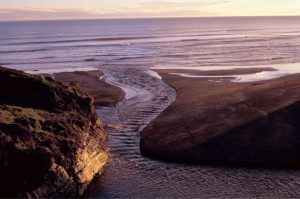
<point>256,123</point>
<point>104,94</point>
<point>234,73</point>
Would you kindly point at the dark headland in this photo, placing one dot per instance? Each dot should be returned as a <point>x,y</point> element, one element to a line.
<point>51,140</point>
<point>251,124</point>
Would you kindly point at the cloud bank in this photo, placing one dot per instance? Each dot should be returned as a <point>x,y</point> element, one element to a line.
<point>146,9</point>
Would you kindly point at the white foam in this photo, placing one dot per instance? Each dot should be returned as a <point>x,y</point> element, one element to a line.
<point>153,74</point>
<point>280,70</point>
<point>130,92</point>
<point>59,70</point>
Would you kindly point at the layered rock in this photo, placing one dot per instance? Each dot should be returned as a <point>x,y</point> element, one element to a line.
<point>51,140</point>
<point>254,124</point>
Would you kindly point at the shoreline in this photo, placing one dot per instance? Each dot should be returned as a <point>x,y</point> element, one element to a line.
<point>129,92</point>
<point>84,75</point>
<point>234,73</point>
<point>104,94</point>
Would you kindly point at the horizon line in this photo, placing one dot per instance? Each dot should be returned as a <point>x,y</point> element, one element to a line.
<point>137,18</point>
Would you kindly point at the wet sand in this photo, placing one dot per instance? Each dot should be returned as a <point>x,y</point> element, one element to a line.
<point>236,71</point>
<point>104,94</point>
<point>254,123</point>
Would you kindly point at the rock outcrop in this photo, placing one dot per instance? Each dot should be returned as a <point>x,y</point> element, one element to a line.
<point>251,124</point>
<point>51,140</point>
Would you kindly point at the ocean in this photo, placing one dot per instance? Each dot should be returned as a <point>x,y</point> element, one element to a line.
<point>125,49</point>
<point>36,45</point>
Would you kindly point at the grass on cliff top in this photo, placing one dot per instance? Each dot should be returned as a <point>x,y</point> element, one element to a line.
<point>9,113</point>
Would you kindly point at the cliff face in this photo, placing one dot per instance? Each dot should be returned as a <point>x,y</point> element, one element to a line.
<point>51,140</point>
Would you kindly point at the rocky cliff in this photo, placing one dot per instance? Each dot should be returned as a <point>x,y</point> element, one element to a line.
<point>51,140</point>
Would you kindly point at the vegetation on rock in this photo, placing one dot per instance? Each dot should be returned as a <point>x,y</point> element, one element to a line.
<point>51,140</point>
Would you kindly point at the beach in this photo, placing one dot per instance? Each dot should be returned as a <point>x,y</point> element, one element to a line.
<point>227,122</point>
<point>209,115</point>
<point>104,94</point>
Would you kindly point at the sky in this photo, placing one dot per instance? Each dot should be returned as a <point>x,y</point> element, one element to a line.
<point>93,9</point>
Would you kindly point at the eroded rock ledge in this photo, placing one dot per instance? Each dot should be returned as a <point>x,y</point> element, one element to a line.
<point>51,140</point>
